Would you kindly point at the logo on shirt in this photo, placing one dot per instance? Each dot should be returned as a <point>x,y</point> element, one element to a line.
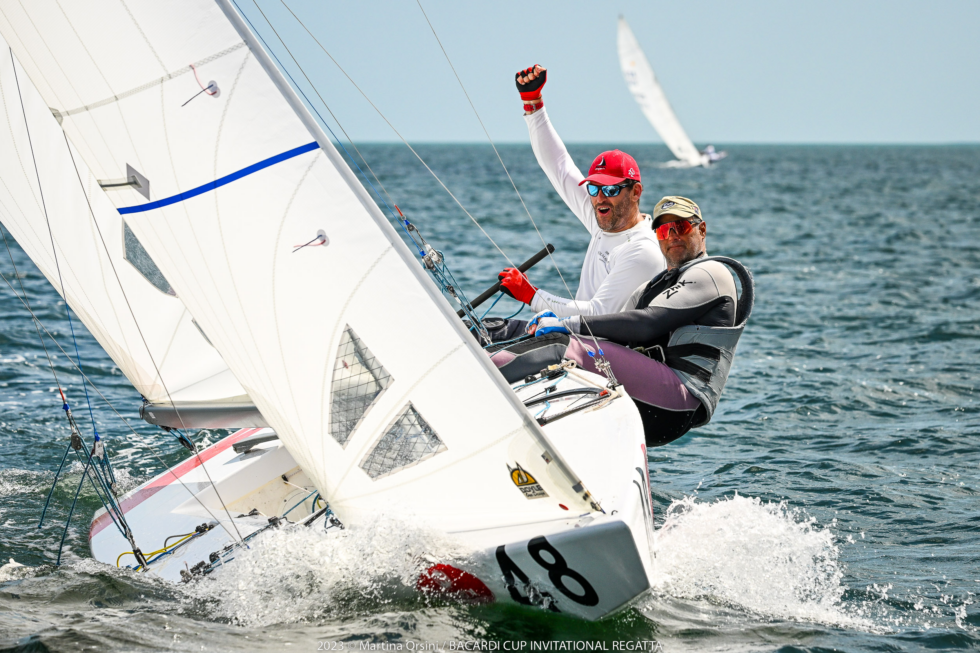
<point>604,257</point>
<point>676,288</point>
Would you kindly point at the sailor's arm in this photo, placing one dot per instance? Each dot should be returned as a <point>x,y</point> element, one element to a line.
<point>551,153</point>
<point>687,302</point>
<point>695,294</point>
<point>631,267</point>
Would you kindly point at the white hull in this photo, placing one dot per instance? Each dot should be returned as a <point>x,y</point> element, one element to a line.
<point>588,565</point>
<point>705,162</point>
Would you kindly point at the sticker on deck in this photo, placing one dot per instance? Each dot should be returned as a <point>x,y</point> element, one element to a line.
<point>526,483</point>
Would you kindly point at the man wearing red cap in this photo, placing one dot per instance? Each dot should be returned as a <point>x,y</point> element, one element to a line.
<point>623,251</point>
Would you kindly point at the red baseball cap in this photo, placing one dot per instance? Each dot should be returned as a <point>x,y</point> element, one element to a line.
<point>613,167</point>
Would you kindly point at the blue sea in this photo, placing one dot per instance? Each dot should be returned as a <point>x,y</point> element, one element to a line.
<point>833,503</point>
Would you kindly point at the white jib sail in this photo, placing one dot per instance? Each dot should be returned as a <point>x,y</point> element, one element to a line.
<point>347,348</point>
<point>191,368</point>
<point>644,86</point>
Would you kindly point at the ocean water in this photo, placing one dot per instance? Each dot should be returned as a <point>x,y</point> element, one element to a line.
<point>832,504</point>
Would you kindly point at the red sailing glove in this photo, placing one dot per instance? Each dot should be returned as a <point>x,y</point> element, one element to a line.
<point>531,92</point>
<point>516,285</point>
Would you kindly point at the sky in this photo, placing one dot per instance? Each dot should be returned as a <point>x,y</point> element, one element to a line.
<point>754,71</point>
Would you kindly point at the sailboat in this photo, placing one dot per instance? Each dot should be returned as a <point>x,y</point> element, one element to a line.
<point>648,93</point>
<point>196,217</point>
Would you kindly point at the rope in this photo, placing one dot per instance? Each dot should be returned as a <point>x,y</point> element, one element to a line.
<point>499,297</point>
<point>26,300</point>
<point>302,501</point>
<point>165,549</point>
<point>513,315</point>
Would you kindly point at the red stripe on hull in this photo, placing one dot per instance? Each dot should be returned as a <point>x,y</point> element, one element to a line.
<point>168,478</point>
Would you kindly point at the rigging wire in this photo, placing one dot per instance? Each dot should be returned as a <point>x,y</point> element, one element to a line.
<point>98,448</point>
<point>433,259</point>
<point>140,331</point>
<point>54,372</point>
<point>103,455</point>
<point>322,120</point>
<point>605,365</point>
<point>71,512</point>
<point>138,440</point>
<point>602,363</point>
<point>397,133</point>
<point>493,145</point>
<point>71,420</point>
<point>26,300</point>
<point>54,251</point>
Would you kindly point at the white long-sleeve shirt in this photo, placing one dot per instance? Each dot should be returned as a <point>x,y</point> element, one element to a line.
<point>615,263</point>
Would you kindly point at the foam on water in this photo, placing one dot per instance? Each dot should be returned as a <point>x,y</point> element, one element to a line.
<point>301,574</point>
<point>16,481</point>
<point>13,570</point>
<point>763,557</point>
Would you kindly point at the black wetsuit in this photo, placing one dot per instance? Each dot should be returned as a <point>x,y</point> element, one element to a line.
<point>703,294</point>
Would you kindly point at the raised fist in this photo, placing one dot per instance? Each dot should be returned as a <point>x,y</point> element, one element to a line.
<point>530,82</point>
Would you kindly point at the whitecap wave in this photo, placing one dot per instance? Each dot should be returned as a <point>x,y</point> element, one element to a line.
<point>762,557</point>
<point>13,570</point>
<point>300,574</point>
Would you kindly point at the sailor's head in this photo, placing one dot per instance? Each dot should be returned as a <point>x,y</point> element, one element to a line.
<point>614,187</point>
<point>681,230</point>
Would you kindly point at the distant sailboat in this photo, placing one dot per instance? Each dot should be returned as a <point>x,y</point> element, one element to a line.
<point>643,83</point>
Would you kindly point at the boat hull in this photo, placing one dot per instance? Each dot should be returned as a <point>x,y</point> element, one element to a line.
<point>588,565</point>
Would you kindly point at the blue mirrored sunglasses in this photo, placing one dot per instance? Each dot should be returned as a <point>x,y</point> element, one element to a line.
<point>608,191</point>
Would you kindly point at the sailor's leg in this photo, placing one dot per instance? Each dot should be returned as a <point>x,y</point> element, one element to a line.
<point>662,426</point>
<point>666,406</point>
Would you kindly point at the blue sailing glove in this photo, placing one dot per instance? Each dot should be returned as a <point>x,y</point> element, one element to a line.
<point>547,322</point>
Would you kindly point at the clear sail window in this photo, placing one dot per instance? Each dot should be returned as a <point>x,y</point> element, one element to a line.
<point>140,259</point>
<point>408,441</point>
<point>358,380</point>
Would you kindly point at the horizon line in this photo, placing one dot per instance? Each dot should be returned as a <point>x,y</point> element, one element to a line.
<point>715,143</point>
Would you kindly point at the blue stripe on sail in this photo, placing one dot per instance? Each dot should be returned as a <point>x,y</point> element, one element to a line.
<point>217,183</point>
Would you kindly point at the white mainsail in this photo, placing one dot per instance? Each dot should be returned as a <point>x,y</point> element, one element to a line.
<point>90,243</point>
<point>347,348</point>
<point>644,86</point>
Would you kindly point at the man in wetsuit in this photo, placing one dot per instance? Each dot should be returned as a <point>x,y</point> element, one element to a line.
<point>676,336</point>
<point>623,250</point>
